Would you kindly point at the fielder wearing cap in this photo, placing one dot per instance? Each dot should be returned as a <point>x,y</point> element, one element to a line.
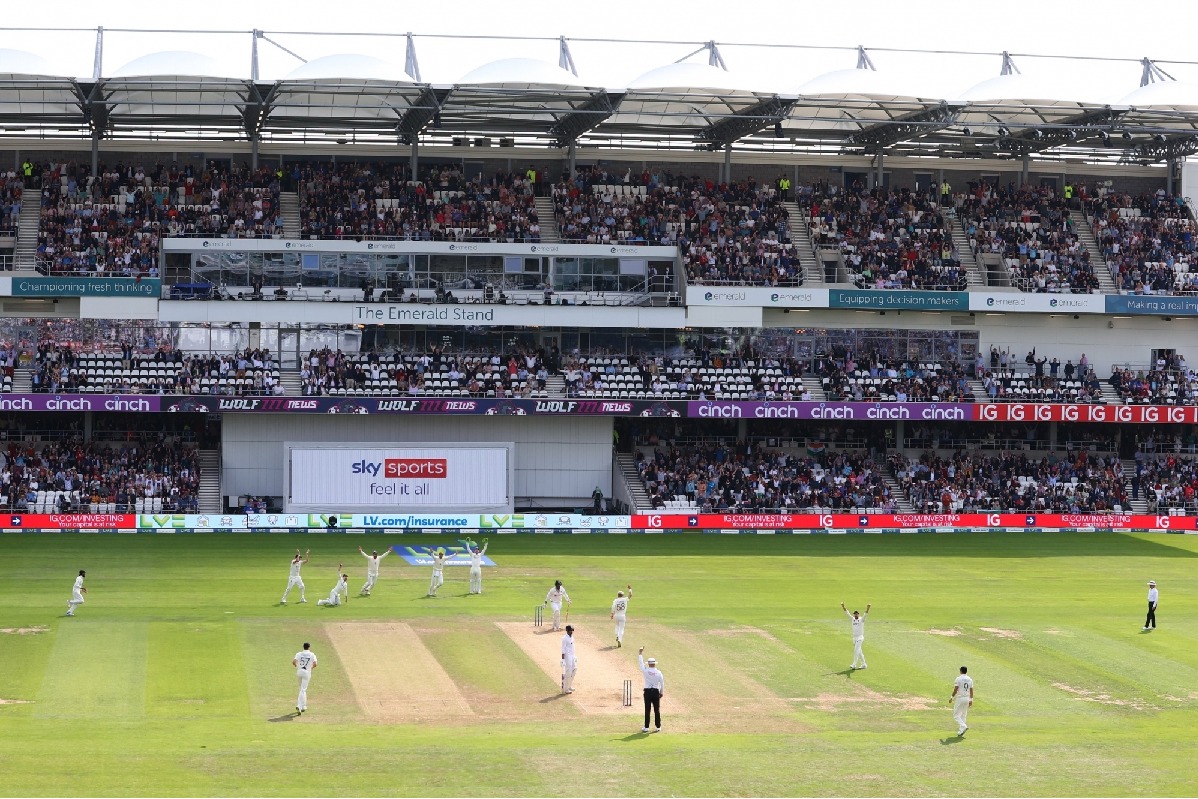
<point>1153,597</point>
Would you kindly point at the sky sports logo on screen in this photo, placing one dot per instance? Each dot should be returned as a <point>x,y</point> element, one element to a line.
<point>403,468</point>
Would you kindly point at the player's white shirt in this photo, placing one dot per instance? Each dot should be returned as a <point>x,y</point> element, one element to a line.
<point>556,595</point>
<point>858,626</point>
<point>295,567</point>
<point>342,587</point>
<point>1152,594</point>
<point>79,583</point>
<point>568,646</point>
<point>620,605</point>
<point>305,660</point>
<point>438,563</point>
<point>372,563</point>
<point>964,684</point>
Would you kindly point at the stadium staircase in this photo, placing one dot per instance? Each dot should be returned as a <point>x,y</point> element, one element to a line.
<point>1129,471</point>
<point>979,391</point>
<point>636,489</point>
<point>290,206</point>
<point>556,386</point>
<point>22,383</point>
<point>547,219</point>
<point>812,383</point>
<point>25,252</point>
<point>800,237</point>
<point>209,497</point>
<point>1085,233</point>
<point>975,273</point>
<point>994,270</point>
<point>290,380</point>
<point>901,503</point>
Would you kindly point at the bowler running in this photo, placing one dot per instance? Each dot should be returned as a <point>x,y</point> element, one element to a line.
<point>77,592</point>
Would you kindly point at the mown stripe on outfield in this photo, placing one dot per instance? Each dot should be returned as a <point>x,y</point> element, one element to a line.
<point>97,670</point>
<point>195,669</point>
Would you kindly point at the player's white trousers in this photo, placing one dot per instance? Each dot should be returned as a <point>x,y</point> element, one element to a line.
<point>620,627</point>
<point>370,581</point>
<point>437,580</point>
<point>858,655</point>
<point>476,580</point>
<point>75,601</point>
<point>569,669</point>
<point>304,676</point>
<point>334,599</point>
<point>557,615</point>
<point>294,582</point>
<point>960,711</point>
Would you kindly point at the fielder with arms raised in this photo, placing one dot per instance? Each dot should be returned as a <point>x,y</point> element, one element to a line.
<point>372,569</point>
<point>476,568</point>
<point>619,612</point>
<point>294,580</point>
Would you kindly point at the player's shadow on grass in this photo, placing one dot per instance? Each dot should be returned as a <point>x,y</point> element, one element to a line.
<point>955,739</point>
<point>547,700</point>
<point>288,717</point>
<point>842,673</point>
<point>636,736</point>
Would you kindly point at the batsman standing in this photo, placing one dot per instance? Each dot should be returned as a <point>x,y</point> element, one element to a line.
<point>557,594</point>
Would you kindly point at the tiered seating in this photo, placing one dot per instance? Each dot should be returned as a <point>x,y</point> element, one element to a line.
<point>1167,384</point>
<point>112,223</point>
<point>1168,482</point>
<point>1148,242</point>
<point>972,481</point>
<point>1031,229</point>
<point>12,189</point>
<point>70,476</point>
<point>735,234</point>
<point>378,201</point>
<point>893,381</point>
<point>242,374</point>
<point>712,477</point>
<point>684,378</point>
<point>1013,385</point>
<point>395,375</point>
<point>888,239</point>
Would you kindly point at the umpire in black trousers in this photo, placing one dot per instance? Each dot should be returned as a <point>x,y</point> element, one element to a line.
<point>655,689</point>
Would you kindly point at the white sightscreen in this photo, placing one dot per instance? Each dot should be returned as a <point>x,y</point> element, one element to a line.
<point>400,477</point>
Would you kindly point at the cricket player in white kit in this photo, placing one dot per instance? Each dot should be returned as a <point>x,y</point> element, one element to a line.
<point>557,594</point>
<point>438,578</point>
<point>619,612</point>
<point>962,700</point>
<point>305,663</point>
<point>569,661</point>
<point>339,590</point>
<point>476,568</point>
<point>294,580</point>
<point>77,592</point>
<point>372,569</point>
<point>858,635</point>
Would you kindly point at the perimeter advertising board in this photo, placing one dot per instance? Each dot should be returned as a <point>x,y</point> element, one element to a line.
<point>469,477</point>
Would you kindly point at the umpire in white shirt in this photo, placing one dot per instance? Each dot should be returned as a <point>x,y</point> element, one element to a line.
<point>1153,596</point>
<point>655,689</point>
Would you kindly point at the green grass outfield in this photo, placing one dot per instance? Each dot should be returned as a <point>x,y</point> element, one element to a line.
<point>175,678</point>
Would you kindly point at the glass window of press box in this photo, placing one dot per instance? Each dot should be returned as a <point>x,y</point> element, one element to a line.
<point>406,272</point>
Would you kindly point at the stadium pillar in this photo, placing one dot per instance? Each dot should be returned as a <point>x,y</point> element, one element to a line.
<point>254,152</point>
<point>742,430</point>
<point>1169,176</point>
<point>1052,435</point>
<point>727,178</point>
<point>87,427</point>
<point>881,180</point>
<point>95,153</point>
<point>1023,172</point>
<point>414,159</point>
<point>900,434</point>
<point>573,151</point>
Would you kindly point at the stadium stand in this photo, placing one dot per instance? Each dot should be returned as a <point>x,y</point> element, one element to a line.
<point>1031,228</point>
<point>12,189</point>
<point>520,374</point>
<point>888,239</point>
<point>735,234</point>
<point>1148,242</point>
<point>1170,381</point>
<point>112,223</point>
<point>380,201</point>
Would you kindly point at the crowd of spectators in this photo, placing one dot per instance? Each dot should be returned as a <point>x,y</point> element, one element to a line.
<point>888,239</point>
<point>1148,242</point>
<point>1167,482</point>
<point>381,201</point>
<point>12,188</point>
<point>1170,381</point>
<point>745,478</point>
<point>521,372</point>
<point>970,481</point>
<point>1030,227</point>
<point>112,223</point>
<point>875,379</point>
<point>72,476</point>
<point>728,233</point>
<point>655,376</point>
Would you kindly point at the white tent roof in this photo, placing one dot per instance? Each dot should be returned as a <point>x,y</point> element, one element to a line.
<point>176,62</point>
<point>692,76</point>
<point>348,66</point>
<point>1169,94</point>
<point>867,83</point>
<point>21,62</point>
<point>520,72</point>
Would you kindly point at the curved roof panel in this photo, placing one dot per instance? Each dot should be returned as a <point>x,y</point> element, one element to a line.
<point>21,62</point>
<point>1032,89</point>
<point>520,72</point>
<point>691,76</point>
<point>348,66</point>
<point>175,63</point>
<point>1170,94</point>
<point>863,83</point>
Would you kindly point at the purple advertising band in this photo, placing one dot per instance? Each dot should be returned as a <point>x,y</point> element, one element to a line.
<point>839,411</point>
